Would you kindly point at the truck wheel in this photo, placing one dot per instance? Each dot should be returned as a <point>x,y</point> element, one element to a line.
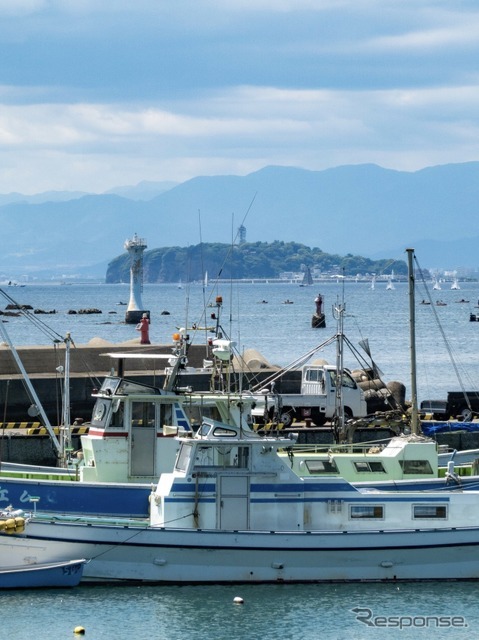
<point>286,418</point>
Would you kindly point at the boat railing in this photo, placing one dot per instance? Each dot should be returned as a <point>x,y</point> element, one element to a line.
<point>356,448</point>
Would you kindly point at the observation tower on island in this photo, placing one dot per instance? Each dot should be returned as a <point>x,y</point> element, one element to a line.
<point>135,311</point>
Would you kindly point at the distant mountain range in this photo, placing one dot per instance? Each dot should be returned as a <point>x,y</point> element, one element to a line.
<point>359,209</point>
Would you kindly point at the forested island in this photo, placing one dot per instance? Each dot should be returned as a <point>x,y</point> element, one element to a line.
<point>248,260</point>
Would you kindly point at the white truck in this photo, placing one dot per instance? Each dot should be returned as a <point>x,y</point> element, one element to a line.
<point>317,400</point>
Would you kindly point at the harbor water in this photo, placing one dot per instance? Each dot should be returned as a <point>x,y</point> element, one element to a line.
<point>269,612</point>
<point>257,316</point>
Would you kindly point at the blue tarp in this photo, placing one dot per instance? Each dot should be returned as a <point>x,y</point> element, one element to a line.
<point>430,428</point>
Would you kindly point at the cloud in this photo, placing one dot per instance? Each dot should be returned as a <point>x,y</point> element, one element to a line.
<point>94,94</point>
<point>238,130</point>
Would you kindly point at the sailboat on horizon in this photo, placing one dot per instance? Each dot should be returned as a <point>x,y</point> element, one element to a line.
<point>307,278</point>
<point>455,283</point>
<point>390,285</point>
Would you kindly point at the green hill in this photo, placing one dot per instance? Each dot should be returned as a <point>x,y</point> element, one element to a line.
<point>247,260</point>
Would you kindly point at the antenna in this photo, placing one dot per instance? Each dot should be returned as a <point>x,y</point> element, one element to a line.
<point>338,418</point>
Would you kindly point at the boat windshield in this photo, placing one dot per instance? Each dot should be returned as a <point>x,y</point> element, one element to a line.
<point>183,458</point>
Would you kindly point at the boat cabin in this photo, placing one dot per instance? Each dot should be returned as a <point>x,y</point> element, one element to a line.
<point>226,480</point>
<point>131,434</point>
<point>401,458</point>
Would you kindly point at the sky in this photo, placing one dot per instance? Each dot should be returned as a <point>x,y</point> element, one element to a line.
<point>96,94</point>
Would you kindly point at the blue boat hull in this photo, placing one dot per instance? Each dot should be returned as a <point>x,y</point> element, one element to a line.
<point>58,574</point>
<point>107,499</point>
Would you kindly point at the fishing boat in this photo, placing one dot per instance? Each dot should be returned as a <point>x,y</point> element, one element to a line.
<point>232,510</point>
<point>66,573</point>
<point>33,573</point>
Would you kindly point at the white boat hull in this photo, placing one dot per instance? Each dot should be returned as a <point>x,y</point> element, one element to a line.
<point>133,554</point>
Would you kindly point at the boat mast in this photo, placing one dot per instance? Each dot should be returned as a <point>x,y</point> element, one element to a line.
<point>338,419</point>
<point>66,438</point>
<point>412,341</point>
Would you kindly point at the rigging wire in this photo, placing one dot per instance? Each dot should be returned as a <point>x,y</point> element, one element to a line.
<point>443,335</point>
<point>50,333</point>
<point>207,299</point>
<point>33,318</point>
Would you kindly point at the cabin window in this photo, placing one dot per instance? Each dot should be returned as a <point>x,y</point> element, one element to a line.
<point>223,432</point>
<point>314,375</point>
<point>117,415</point>
<point>429,512</point>
<point>110,385</point>
<point>205,457</point>
<point>320,466</point>
<point>422,467</point>
<point>369,466</point>
<point>183,457</point>
<point>366,512</point>
<point>196,413</point>
<point>222,457</point>
<point>143,414</point>
<point>204,430</point>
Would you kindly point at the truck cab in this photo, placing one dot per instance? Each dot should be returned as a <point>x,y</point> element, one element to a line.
<point>316,401</point>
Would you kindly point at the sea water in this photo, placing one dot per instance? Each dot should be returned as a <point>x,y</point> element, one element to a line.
<point>268,612</point>
<point>256,316</point>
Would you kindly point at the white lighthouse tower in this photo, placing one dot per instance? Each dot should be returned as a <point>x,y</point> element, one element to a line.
<point>135,248</point>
